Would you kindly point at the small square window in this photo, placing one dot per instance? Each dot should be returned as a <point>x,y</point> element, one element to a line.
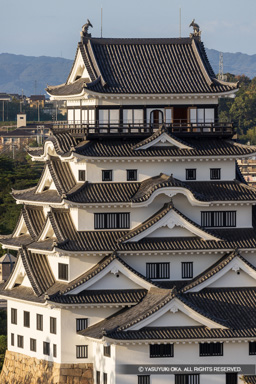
<point>46,348</point>
<point>81,175</point>
<point>12,339</point>
<point>39,322</point>
<point>81,351</point>
<point>53,325</point>
<point>20,341</point>
<point>54,350</point>
<point>191,174</point>
<point>81,324</point>
<point>215,173</point>
<point>187,270</point>
<point>26,319</point>
<point>13,316</point>
<point>33,345</point>
<point>106,350</point>
<point>107,175</point>
<point>63,271</point>
<point>143,379</point>
<point>131,174</point>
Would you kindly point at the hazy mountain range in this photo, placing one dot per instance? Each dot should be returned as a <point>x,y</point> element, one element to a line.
<point>32,74</point>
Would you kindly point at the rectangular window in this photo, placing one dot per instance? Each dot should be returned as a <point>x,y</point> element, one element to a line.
<point>63,271</point>
<point>81,324</point>
<point>158,270</point>
<point>20,341</point>
<point>81,351</point>
<point>39,322</point>
<point>106,351</point>
<point>13,315</point>
<point>218,219</point>
<point>46,348</point>
<point>187,270</point>
<point>143,379</point>
<point>187,379</point>
<point>97,377</point>
<point>252,348</point>
<point>161,350</point>
<point>53,325</point>
<point>211,349</point>
<point>191,174</point>
<point>81,175</point>
<point>107,175</point>
<point>131,174</point>
<point>33,345</point>
<point>12,339</point>
<point>112,220</point>
<point>26,319</point>
<point>54,350</point>
<point>231,378</point>
<point>215,173</point>
<point>105,378</point>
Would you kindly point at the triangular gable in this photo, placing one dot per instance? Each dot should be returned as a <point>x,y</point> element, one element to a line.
<point>175,314</point>
<point>21,227</point>
<point>162,138</point>
<point>46,181</point>
<point>18,274</point>
<point>168,218</point>
<point>79,69</point>
<point>111,274</point>
<point>231,271</point>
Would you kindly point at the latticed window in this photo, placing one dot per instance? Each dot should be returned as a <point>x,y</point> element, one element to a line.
<point>158,270</point>
<point>81,175</point>
<point>20,341</point>
<point>143,379</point>
<point>81,351</point>
<point>218,218</point>
<point>187,379</point>
<point>107,175</point>
<point>187,270</point>
<point>191,174</point>
<point>81,324</point>
<point>111,220</point>
<point>215,173</point>
<point>13,315</point>
<point>231,378</point>
<point>107,350</point>
<point>39,322</point>
<point>131,174</point>
<point>211,349</point>
<point>53,325</point>
<point>63,271</point>
<point>161,350</point>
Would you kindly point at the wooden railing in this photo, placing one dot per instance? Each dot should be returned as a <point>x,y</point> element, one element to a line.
<point>178,127</point>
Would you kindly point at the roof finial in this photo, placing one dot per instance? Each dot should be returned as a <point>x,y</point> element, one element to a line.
<point>196,28</point>
<point>85,28</point>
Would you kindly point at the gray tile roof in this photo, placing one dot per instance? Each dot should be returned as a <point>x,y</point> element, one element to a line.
<point>126,65</point>
<point>249,379</point>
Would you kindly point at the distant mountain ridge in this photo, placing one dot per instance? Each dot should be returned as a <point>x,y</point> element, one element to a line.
<point>33,74</point>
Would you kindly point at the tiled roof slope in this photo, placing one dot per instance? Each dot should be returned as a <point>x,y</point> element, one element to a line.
<point>34,219</point>
<point>215,304</point>
<point>147,66</point>
<point>249,379</point>
<point>200,148</point>
<point>62,175</point>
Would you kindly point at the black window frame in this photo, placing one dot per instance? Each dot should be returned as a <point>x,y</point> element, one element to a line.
<point>54,350</point>
<point>187,269</point>
<point>104,175</point>
<point>14,318</point>
<point>112,220</point>
<point>218,219</point>
<point>161,350</point>
<point>231,378</point>
<point>81,175</point>
<point>143,379</point>
<point>20,341</point>
<point>39,322</point>
<point>81,351</point>
<point>210,349</point>
<point>107,350</point>
<point>252,348</point>
<point>193,175</point>
<point>105,378</point>
<point>53,325</point>
<point>46,348</point>
<point>63,271</point>
<point>157,272</point>
<point>26,319</point>
<point>97,377</point>
<point>12,339</point>
<point>130,173</point>
<point>185,378</point>
<point>32,345</point>
<point>215,173</point>
<point>81,324</point>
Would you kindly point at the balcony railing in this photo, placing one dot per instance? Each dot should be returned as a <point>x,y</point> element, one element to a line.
<point>177,127</point>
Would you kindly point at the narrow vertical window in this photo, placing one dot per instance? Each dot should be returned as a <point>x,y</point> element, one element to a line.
<point>81,175</point>
<point>63,271</point>
<point>54,350</point>
<point>13,315</point>
<point>53,325</point>
<point>33,345</point>
<point>81,324</point>
<point>39,322</point>
<point>106,350</point>
<point>97,377</point>
<point>231,378</point>
<point>20,341</point>
<point>26,319</point>
<point>187,270</point>
<point>252,348</point>
<point>46,348</point>
<point>105,378</point>
<point>12,339</point>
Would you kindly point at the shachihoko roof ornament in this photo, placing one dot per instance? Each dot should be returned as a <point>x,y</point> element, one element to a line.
<point>196,30</point>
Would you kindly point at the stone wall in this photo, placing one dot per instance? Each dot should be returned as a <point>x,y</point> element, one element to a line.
<point>22,369</point>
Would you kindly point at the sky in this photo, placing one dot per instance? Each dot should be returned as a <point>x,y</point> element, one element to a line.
<point>52,27</point>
